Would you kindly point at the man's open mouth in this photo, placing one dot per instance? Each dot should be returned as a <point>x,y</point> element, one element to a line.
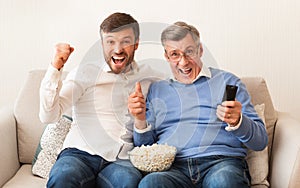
<point>118,60</point>
<point>186,70</point>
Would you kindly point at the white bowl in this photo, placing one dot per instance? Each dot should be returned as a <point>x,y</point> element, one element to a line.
<point>152,158</point>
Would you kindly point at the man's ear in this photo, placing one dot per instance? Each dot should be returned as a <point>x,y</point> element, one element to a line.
<point>166,56</point>
<point>136,45</point>
<point>200,50</point>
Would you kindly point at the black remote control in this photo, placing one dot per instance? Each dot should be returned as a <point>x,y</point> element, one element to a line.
<point>230,93</point>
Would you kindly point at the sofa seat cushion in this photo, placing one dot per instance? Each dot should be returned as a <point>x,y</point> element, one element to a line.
<point>24,178</point>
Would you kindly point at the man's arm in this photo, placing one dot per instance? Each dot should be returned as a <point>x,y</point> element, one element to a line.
<point>51,107</point>
<point>143,133</point>
<point>252,133</point>
<point>243,120</point>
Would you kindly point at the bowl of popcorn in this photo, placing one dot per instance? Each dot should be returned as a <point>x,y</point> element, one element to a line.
<point>154,158</point>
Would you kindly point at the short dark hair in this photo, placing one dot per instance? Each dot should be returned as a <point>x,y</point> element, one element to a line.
<point>119,21</point>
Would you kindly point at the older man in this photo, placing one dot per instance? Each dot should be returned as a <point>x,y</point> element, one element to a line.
<point>188,112</point>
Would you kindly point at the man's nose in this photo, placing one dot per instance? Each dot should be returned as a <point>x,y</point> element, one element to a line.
<point>118,48</point>
<point>183,60</point>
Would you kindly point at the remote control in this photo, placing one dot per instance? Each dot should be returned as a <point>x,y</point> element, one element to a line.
<point>230,93</point>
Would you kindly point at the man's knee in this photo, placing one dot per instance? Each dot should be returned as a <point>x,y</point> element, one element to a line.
<point>155,179</point>
<point>120,175</point>
<point>69,172</point>
<point>227,176</point>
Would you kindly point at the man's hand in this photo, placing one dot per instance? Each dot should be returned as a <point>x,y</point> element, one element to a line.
<point>230,112</point>
<point>62,53</point>
<point>137,103</point>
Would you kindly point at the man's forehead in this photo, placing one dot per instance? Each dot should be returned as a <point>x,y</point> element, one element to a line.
<point>182,44</point>
<point>124,33</point>
<point>181,47</point>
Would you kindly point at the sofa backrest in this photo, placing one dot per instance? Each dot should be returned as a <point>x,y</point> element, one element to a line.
<point>258,90</point>
<point>26,111</point>
<point>30,129</point>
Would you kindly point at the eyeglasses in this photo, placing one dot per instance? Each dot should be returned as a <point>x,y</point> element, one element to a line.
<point>176,55</point>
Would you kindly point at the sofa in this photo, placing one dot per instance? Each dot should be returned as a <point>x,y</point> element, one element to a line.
<point>21,130</point>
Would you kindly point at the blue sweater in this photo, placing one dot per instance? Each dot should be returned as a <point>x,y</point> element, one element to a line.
<point>184,116</point>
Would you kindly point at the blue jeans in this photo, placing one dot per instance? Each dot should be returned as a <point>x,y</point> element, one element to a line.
<point>206,172</point>
<point>76,168</point>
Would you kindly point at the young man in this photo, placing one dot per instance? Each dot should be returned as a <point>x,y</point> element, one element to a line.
<point>95,149</point>
<point>188,112</point>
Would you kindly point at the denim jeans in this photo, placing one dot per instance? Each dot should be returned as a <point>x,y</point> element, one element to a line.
<point>206,172</point>
<point>76,168</point>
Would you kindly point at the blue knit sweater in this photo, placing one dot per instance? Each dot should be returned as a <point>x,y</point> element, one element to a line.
<point>184,116</point>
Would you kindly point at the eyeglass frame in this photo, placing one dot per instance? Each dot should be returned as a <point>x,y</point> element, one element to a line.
<point>182,54</point>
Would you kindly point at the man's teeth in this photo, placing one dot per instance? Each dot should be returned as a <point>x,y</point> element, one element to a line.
<point>118,60</point>
<point>185,71</point>
<point>118,57</point>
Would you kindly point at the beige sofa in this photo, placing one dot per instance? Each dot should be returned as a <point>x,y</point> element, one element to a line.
<point>20,131</point>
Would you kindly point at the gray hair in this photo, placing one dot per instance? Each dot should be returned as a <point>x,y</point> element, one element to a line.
<point>178,31</point>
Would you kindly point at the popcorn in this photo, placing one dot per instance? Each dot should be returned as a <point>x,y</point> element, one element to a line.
<point>152,158</point>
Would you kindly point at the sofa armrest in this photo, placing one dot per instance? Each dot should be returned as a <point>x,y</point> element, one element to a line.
<point>285,157</point>
<point>9,162</point>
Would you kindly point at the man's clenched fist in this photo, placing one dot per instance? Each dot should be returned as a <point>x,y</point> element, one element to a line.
<point>62,53</point>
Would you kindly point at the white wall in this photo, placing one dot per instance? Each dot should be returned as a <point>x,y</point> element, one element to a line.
<point>248,37</point>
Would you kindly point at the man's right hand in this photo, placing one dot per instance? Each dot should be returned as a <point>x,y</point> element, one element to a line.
<point>62,53</point>
<point>137,104</point>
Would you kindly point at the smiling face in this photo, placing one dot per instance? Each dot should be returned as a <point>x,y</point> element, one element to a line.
<point>188,64</point>
<point>119,48</point>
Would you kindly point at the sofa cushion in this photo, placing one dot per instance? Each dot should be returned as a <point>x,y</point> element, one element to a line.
<point>9,162</point>
<point>29,127</point>
<point>26,111</point>
<point>258,160</point>
<point>24,178</point>
<point>50,146</point>
<point>259,93</point>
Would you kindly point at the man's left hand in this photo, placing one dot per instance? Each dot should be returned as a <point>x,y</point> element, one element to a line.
<point>230,112</point>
